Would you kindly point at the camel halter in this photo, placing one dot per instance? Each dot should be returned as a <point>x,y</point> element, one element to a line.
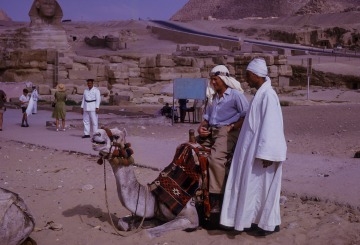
<point>139,228</point>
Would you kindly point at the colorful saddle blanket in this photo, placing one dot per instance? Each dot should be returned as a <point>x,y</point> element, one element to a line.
<point>181,179</point>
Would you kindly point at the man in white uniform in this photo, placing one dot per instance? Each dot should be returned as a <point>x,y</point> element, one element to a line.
<point>90,108</point>
<point>252,192</point>
<point>35,97</point>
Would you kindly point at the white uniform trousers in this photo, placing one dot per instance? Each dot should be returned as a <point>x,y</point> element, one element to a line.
<point>90,116</point>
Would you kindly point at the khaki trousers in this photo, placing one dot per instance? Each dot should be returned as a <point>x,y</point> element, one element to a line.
<point>222,146</point>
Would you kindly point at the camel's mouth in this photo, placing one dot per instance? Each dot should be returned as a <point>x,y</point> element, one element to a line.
<point>98,142</point>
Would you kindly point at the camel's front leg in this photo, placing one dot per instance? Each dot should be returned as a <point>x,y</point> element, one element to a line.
<point>131,222</point>
<point>187,219</point>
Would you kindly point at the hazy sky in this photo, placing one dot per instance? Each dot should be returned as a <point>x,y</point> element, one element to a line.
<point>18,10</point>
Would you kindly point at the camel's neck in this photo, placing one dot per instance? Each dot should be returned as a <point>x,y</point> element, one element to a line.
<point>128,187</point>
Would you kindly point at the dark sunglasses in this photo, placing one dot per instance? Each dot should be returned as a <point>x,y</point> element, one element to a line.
<point>219,73</point>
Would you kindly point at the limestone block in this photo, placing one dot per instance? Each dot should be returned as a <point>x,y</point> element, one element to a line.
<point>103,83</point>
<point>116,59</point>
<point>220,60</point>
<point>42,65</point>
<point>164,73</point>
<point>43,89</point>
<point>135,81</point>
<point>20,75</point>
<point>66,62</point>
<point>81,75</point>
<point>86,60</point>
<point>122,95</point>
<point>118,74</point>
<point>104,91</point>
<point>80,89</point>
<point>183,61</point>
<point>199,63</point>
<point>273,71</point>
<point>134,71</point>
<point>30,55</point>
<point>147,74</point>
<point>275,82</point>
<point>158,87</point>
<point>63,74</point>
<point>285,70</point>
<point>79,67</point>
<point>142,89</point>
<point>244,59</point>
<point>164,60</point>
<point>149,61</point>
<point>99,69</point>
<point>116,67</point>
<point>208,62</point>
<point>268,58</point>
<point>280,60</point>
<point>75,97</point>
<point>187,71</point>
<point>284,81</point>
<point>120,87</point>
<point>119,81</point>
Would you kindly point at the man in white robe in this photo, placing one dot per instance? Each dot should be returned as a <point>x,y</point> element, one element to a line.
<point>35,97</point>
<point>252,193</point>
<point>90,108</point>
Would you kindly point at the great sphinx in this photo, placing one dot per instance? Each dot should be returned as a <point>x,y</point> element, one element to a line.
<point>45,12</point>
<point>46,31</point>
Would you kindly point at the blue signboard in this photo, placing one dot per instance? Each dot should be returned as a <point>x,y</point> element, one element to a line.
<point>190,88</point>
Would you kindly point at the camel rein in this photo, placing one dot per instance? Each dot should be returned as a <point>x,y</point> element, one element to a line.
<point>123,233</point>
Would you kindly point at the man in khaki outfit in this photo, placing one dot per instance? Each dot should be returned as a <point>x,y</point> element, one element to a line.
<point>223,117</point>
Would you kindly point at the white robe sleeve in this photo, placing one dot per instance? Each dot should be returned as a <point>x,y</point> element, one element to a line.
<point>271,144</point>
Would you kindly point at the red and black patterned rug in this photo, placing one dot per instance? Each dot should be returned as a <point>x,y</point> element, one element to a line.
<point>179,181</point>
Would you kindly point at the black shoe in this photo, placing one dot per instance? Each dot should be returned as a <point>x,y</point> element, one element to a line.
<point>262,233</point>
<point>253,228</point>
<point>86,136</point>
<point>23,125</point>
<point>27,125</point>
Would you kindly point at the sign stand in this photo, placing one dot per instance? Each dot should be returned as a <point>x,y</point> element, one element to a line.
<point>309,70</point>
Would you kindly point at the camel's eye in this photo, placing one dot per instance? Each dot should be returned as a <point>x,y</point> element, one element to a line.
<point>97,134</point>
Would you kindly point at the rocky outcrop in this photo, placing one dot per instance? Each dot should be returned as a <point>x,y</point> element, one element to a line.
<point>234,9</point>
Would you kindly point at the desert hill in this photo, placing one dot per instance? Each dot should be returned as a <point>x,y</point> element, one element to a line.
<point>234,9</point>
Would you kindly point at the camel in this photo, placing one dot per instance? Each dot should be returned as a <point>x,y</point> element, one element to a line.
<point>129,189</point>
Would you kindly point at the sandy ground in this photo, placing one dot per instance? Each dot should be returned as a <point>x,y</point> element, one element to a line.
<point>57,175</point>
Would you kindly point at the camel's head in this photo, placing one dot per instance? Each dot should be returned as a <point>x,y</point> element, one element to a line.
<point>104,138</point>
<point>111,144</point>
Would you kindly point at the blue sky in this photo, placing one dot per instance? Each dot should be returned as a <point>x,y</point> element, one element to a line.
<point>98,10</point>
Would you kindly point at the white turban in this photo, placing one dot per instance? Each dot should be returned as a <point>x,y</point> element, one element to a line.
<point>258,67</point>
<point>222,72</point>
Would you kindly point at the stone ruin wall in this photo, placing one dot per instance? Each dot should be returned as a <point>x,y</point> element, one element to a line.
<point>132,79</point>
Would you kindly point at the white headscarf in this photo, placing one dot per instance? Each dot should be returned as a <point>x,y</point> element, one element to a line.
<point>258,67</point>
<point>224,74</point>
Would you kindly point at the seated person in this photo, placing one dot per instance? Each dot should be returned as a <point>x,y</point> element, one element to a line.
<point>166,110</point>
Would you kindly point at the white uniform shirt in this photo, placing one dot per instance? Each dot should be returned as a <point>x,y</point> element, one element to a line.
<point>91,99</point>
